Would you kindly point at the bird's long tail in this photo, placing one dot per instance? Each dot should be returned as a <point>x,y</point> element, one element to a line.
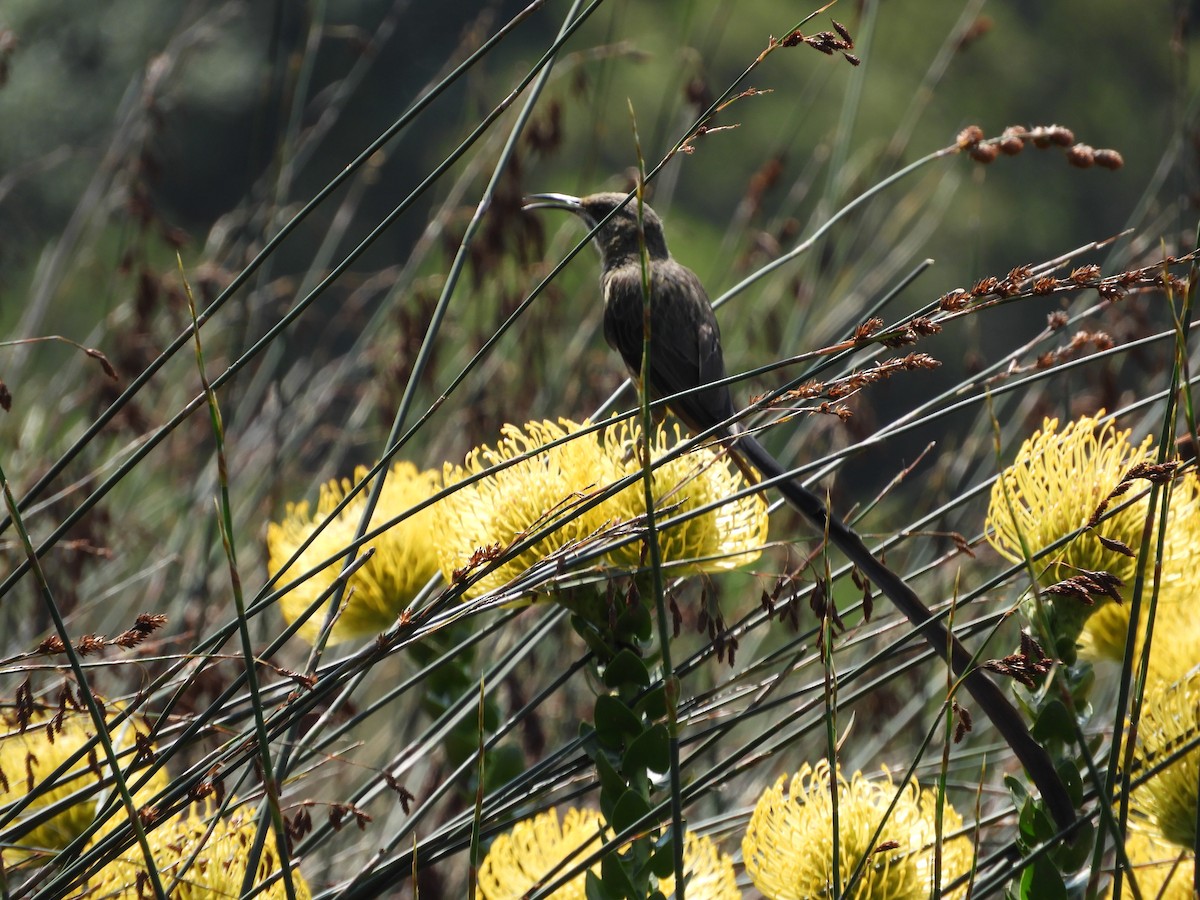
<point>986,693</point>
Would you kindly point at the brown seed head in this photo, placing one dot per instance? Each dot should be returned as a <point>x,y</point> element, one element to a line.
<point>969,137</point>
<point>1063,137</point>
<point>1082,156</point>
<point>983,153</point>
<point>1012,141</point>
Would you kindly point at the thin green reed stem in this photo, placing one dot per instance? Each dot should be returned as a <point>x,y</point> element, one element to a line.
<point>830,695</point>
<point>1166,442</point>
<point>477,811</point>
<point>270,788</point>
<point>670,681</point>
<point>97,716</point>
<point>1185,329</point>
<point>294,313</point>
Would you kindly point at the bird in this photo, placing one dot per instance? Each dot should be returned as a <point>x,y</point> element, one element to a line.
<point>686,368</point>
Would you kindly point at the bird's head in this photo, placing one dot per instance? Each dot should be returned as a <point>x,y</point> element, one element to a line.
<point>618,237</point>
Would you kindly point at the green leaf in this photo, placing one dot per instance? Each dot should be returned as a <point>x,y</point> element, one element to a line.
<point>595,889</point>
<point>662,863</point>
<point>1073,854</point>
<point>595,641</point>
<point>1035,824</point>
<point>653,705</point>
<point>649,750</point>
<point>1072,781</point>
<point>635,621</point>
<point>1054,722</point>
<point>631,808</point>
<point>616,879</point>
<point>1042,881</point>
<point>626,668</point>
<point>615,722</point>
<point>1017,788</point>
<point>612,786</point>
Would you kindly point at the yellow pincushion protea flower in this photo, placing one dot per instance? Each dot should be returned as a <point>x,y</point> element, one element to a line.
<point>1176,650</point>
<point>217,870</point>
<point>1177,632</point>
<point>1162,871</point>
<point>404,559</point>
<point>1054,486</point>
<point>28,757</point>
<point>523,858</point>
<point>548,489</point>
<point>788,847</point>
<point>1170,719</point>
<point>542,491</point>
<point>726,537</point>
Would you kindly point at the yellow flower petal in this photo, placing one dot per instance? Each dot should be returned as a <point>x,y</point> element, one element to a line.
<point>726,537</point>
<point>1054,485</point>
<point>217,870</point>
<point>1176,649</point>
<point>522,859</point>
<point>27,758</point>
<point>1161,870</point>
<point>543,491</point>
<point>1170,718</point>
<point>379,591</point>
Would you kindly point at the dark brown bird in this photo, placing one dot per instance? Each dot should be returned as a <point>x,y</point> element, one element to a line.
<point>685,354</point>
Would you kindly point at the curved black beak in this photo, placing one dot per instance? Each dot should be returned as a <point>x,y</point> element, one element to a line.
<point>553,201</point>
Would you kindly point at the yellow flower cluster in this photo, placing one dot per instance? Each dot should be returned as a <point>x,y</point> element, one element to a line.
<point>27,757</point>
<point>220,849</point>
<point>403,562</point>
<point>1170,719</point>
<point>543,492</point>
<point>1060,478</point>
<point>553,490</point>
<point>543,489</point>
<point>1053,489</point>
<point>520,859</point>
<point>524,858</point>
<point>1162,871</point>
<point>1057,482</point>
<point>788,847</point>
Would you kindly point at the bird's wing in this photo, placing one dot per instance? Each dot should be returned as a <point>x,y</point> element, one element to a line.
<point>685,349</point>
